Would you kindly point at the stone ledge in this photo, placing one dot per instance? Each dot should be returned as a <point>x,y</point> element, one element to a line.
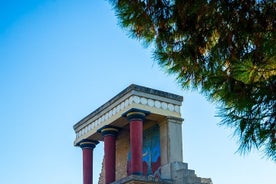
<point>135,179</point>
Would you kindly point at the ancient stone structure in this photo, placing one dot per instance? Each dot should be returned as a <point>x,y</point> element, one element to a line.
<point>142,133</point>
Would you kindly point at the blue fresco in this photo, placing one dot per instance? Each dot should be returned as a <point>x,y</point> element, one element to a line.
<point>151,149</point>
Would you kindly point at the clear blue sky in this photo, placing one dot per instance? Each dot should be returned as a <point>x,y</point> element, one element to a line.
<point>59,61</point>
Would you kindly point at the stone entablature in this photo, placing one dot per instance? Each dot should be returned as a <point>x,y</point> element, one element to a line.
<point>156,101</point>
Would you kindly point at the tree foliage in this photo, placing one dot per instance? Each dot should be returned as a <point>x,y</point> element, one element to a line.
<point>223,48</point>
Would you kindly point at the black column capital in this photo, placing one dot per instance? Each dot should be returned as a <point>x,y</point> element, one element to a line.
<point>135,114</point>
<point>109,130</point>
<point>87,143</point>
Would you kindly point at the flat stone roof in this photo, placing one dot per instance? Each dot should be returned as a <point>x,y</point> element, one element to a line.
<point>134,96</point>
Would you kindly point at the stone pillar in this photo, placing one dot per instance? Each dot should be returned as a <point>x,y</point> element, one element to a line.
<point>109,133</point>
<point>136,118</point>
<point>171,146</point>
<point>171,140</point>
<point>87,154</point>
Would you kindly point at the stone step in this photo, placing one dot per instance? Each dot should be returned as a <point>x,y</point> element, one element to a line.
<point>186,172</point>
<point>191,180</point>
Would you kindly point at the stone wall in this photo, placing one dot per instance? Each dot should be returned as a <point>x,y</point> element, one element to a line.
<point>101,177</point>
<point>122,148</point>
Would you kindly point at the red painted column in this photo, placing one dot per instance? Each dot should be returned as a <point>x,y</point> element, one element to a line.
<point>136,118</point>
<point>136,145</point>
<point>109,133</point>
<point>87,154</point>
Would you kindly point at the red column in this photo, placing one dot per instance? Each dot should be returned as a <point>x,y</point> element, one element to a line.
<point>109,133</point>
<point>87,154</point>
<point>136,118</point>
<point>136,145</point>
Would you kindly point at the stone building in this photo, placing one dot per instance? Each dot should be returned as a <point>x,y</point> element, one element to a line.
<point>142,133</point>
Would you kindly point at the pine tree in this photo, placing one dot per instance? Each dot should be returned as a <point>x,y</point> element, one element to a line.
<point>225,49</point>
